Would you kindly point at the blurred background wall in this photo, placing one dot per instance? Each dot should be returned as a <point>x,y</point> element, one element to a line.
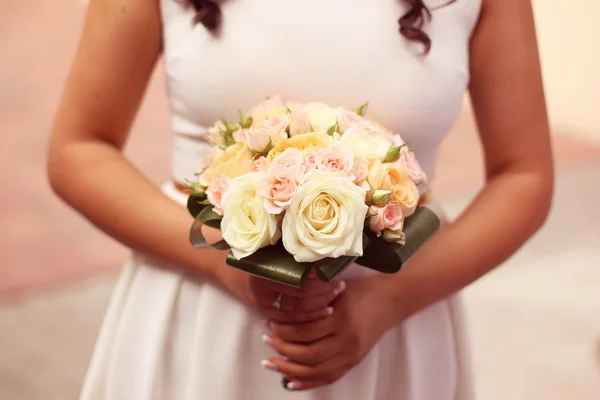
<point>534,321</point>
<point>569,33</point>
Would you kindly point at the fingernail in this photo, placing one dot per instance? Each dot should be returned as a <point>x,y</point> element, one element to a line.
<point>267,340</point>
<point>340,288</point>
<point>293,386</point>
<point>268,365</point>
<point>270,325</point>
<point>329,311</point>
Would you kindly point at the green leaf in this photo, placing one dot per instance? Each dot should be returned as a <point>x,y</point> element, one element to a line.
<point>362,110</point>
<point>381,197</point>
<point>194,203</point>
<point>229,140</point>
<point>245,120</point>
<point>335,128</point>
<point>273,263</point>
<point>206,217</point>
<point>393,154</point>
<point>390,257</point>
<point>328,268</point>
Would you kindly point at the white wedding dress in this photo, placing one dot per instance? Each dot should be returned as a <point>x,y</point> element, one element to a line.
<point>168,336</point>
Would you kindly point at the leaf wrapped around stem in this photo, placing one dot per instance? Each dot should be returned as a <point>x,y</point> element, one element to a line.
<point>273,263</point>
<point>206,217</point>
<point>388,257</point>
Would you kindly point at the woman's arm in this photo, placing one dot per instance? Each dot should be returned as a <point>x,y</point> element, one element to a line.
<point>509,105</point>
<point>119,48</point>
<point>508,99</point>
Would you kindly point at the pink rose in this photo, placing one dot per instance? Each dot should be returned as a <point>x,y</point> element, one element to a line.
<point>271,106</point>
<point>279,186</point>
<point>310,160</point>
<point>240,135</point>
<point>275,127</point>
<point>258,140</point>
<point>411,166</point>
<point>397,140</point>
<point>261,164</point>
<point>377,130</point>
<point>388,217</point>
<point>217,188</point>
<point>299,122</point>
<point>349,119</point>
<point>290,157</point>
<point>360,171</point>
<point>335,159</point>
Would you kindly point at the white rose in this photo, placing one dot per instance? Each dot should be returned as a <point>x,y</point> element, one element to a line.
<point>325,218</point>
<point>321,116</point>
<point>365,144</point>
<point>246,225</point>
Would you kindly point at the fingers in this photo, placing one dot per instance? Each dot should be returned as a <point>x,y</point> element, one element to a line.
<point>304,332</point>
<point>307,304</point>
<point>280,316</point>
<point>304,377</point>
<point>306,353</point>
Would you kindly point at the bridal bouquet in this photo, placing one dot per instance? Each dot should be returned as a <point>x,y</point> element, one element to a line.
<point>292,186</point>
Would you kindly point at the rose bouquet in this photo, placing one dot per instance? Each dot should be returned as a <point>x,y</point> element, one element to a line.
<point>292,186</point>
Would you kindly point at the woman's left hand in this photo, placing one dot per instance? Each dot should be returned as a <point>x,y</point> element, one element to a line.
<point>320,352</point>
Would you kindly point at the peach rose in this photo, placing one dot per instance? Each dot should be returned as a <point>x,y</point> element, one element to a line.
<point>308,141</point>
<point>387,217</point>
<point>394,178</point>
<point>232,163</point>
<point>217,188</point>
<point>412,167</point>
<point>214,153</point>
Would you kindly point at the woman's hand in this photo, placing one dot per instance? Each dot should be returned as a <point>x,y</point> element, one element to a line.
<point>294,306</point>
<point>320,352</point>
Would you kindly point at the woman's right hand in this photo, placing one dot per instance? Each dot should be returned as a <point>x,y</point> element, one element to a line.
<point>295,306</point>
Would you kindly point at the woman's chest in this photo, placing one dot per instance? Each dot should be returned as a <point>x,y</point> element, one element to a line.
<point>343,52</point>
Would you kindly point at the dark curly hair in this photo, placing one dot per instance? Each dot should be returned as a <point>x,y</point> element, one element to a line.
<point>208,13</point>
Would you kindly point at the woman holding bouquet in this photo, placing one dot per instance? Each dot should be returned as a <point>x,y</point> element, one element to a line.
<point>184,325</point>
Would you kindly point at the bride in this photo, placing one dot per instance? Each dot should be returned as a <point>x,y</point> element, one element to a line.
<point>183,325</point>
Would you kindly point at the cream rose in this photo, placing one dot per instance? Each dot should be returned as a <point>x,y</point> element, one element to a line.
<point>232,162</point>
<point>392,177</point>
<point>365,144</point>
<point>246,225</point>
<point>325,218</point>
<point>321,116</point>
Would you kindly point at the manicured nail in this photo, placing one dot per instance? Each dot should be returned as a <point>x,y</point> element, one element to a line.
<point>267,340</point>
<point>268,365</point>
<point>340,288</point>
<point>293,386</point>
<point>329,311</point>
